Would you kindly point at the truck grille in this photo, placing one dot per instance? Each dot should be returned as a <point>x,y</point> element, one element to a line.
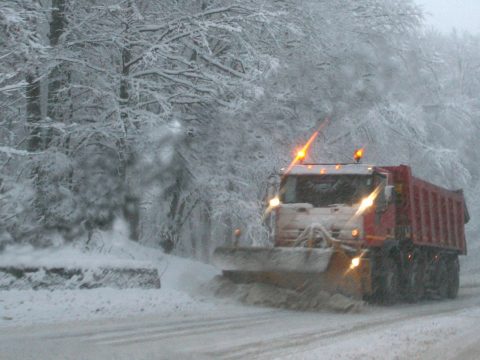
<point>335,233</point>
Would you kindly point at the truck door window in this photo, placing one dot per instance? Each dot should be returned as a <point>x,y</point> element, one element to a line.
<point>289,190</point>
<point>380,182</point>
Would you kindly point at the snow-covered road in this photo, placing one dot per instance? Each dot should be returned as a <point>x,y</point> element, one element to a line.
<point>430,330</point>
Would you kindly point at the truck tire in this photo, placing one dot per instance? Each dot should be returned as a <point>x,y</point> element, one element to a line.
<point>453,274</point>
<point>415,286</point>
<point>442,279</point>
<point>389,281</point>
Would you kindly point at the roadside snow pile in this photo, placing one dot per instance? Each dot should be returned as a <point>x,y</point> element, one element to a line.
<point>66,256</point>
<point>69,268</point>
<point>180,279</point>
<point>272,296</point>
<point>73,278</point>
<point>109,259</point>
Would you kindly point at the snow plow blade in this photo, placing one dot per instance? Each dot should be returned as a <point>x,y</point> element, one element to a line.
<point>289,259</point>
<point>327,269</point>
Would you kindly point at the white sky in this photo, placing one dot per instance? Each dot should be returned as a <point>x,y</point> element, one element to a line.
<point>444,15</point>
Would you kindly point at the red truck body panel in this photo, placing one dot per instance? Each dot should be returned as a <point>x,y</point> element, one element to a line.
<point>428,214</point>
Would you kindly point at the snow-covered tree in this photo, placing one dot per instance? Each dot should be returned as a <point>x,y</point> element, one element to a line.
<point>174,114</point>
<point>21,54</point>
<point>118,74</point>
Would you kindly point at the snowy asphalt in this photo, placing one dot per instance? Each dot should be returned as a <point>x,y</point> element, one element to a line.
<point>429,330</point>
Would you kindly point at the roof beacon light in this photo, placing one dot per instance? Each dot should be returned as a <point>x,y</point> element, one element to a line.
<point>301,155</point>
<point>357,155</point>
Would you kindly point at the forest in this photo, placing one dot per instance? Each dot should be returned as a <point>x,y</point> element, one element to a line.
<point>173,115</point>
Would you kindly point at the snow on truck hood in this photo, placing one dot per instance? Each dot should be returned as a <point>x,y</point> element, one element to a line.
<point>294,218</point>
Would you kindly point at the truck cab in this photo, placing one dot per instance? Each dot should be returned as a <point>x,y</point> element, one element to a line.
<point>353,202</point>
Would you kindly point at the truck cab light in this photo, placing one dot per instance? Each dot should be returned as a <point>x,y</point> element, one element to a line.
<point>355,233</point>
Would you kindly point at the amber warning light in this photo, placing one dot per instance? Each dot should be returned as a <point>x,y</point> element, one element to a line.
<point>301,155</point>
<point>357,155</point>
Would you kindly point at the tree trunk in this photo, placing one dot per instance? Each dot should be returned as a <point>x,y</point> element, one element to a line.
<point>131,213</point>
<point>35,143</point>
<point>56,79</point>
<point>131,205</point>
<point>34,113</point>
<point>170,235</point>
<point>228,229</point>
<point>57,26</point>
<point>206,222</point>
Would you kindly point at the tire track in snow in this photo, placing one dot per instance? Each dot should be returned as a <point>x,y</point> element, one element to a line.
<point>132,329</point>
<point>281,344</point>
<point>167,332</point>
<point>128,335</point>
<point>187,331</point>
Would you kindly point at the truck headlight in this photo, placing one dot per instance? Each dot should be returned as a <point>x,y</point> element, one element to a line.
<point>274,202</point>
<point>366,203</point>
<point>355,262</point>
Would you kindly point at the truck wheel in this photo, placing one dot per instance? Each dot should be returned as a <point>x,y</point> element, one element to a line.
<point>389,281</point>
<point>453,274</point>
<point>415,288</point>
<point>442,279</point>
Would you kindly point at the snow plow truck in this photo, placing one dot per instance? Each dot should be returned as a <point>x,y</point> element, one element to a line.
<point>371,232</point>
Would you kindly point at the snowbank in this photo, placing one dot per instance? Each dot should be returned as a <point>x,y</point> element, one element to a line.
<point>68,257</point>
<point>23,267</point>
<point>180,281</point>
<point>179,277</point>
<point>35,278</point>
<point>109,259</point>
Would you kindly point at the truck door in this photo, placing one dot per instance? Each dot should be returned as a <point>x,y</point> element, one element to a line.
<point>381,221</point>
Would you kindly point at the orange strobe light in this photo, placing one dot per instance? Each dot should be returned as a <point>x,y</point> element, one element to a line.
<point>357,155</point>
<point>301,154</point>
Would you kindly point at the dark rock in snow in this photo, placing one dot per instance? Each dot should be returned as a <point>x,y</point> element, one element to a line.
<point>77,278</point>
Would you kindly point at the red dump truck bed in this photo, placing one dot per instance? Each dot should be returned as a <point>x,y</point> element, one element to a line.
<point>429,214</point>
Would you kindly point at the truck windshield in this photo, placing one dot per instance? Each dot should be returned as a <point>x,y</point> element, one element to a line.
<point>325,190</point>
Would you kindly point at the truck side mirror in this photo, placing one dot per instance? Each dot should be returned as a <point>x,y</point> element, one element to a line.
<point>388,193</point>
<point>272,186</point>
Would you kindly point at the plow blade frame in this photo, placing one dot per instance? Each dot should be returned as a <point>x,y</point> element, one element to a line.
<point>275,259</point>
<point>297,269</point>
